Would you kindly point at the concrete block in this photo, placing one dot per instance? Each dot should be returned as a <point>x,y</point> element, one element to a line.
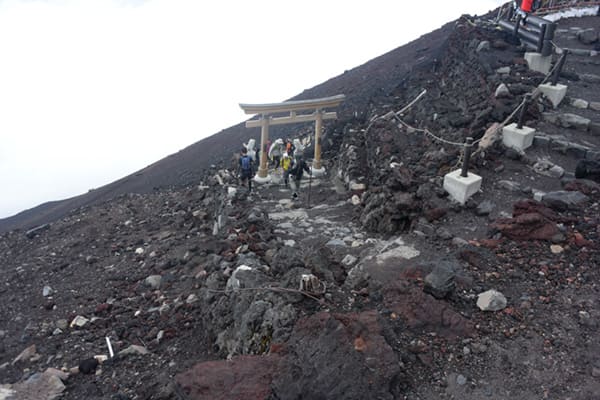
<point>516,138</point>
<point>461,188</point>
<point>539,63</point>
<point>554,93</point>
<point>317,172</point>
<point>266,179</point>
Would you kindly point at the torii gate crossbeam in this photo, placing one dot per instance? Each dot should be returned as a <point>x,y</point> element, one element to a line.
<point>266,119</point>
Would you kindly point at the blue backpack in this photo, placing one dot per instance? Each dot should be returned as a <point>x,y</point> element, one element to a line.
<point>245,163</point>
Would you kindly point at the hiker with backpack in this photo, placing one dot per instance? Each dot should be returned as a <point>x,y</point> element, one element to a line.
<point>276,151</point>
<point>297,171</point>
<point>245,171</point>
<point>286,165</point>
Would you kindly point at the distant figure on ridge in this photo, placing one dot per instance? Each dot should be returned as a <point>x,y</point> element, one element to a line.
<point>246,169</point>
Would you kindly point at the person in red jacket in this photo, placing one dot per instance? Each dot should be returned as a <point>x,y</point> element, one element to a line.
<point>526,7</point>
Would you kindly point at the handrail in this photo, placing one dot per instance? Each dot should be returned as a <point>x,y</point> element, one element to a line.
<point>537,36</point>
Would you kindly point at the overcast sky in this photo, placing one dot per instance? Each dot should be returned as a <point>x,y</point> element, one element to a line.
<point>93,90</point>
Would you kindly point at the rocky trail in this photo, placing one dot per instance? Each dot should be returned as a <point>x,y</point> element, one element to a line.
<point>373,284</point>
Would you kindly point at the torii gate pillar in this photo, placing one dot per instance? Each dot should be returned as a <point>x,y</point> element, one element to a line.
<point>317,169</point>
<point>263,173</point>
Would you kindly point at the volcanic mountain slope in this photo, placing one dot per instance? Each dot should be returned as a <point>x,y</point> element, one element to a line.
<point>361,85</point>
<point>197,287</point>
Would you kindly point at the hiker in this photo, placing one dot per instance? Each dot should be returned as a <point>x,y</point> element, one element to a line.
<point>289,147</point>
<point>525,10</point>
<point>286,165</point>
<point>251,149</point>
<point>276,151</point>
<point>298,148</point>
<point>297,171</point>
<point>245,169</point>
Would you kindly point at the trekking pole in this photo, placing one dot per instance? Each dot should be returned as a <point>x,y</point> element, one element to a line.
<point>309,186</point>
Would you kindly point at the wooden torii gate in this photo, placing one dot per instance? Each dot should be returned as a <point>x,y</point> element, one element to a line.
<point>266,119</point>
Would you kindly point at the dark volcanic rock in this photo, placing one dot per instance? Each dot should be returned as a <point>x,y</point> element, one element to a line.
<point>326,347</point>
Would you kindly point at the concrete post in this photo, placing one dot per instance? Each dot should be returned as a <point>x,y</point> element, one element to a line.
<point>318,126</point>
<point>264,152</point>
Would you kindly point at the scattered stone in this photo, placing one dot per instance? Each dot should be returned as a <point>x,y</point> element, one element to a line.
<point>134,349</point>
<point>88,366</point>
<point>485,208</point>
<point>26,355</point>
<point>139,250</point>
<point>491,300</point>
<point>153,281</point>
<point>509,185</point>
<point>441,281</point>
<point>355,200</point>
<point>484,45</point>
<point>564,200</point>
<point>594,105</point>
<point>556,249</point>
<point>587,36</point>
<point>579,103</point>
<point>590,78</point>
<point>502,91</point>
<point>47,291</point>
<point>461,380</point>
<point>192,298</point>
<point>503,70</point>
<point>39,386</point>
<point>349,260</point>
<point>79,322</point>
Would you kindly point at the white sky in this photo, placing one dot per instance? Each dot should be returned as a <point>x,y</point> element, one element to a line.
<point>93,90</point>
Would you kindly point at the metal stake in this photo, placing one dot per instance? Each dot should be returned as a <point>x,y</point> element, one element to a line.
<point>526,101</point>
<point>559,67</point>
<point>465,166</point>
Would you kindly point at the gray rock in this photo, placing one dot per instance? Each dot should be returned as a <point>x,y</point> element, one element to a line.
<point>484,45</point>
<point>574,121</point>
<point>42,386</point>
<point>461,380</point>
<point>349,260</point>
<point>443,233</point>
<point>491,300</point>
<point>485,208</point>
<point>564,200</point>
<point>509,185</point>
<point>153,281</point>
<point>587,36</point>
<point>440,282</point>
<point>134,349</point>
<point>590,78</point>
<point>579,103</point>
<point>502,91</point>
<point>594,105</point>
<point>47,291</point>
<point>503,70</point>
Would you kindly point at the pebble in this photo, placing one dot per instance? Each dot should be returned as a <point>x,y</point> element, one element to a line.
<point>461,380</point>
<point>47,291</point>
<point>491,300</point>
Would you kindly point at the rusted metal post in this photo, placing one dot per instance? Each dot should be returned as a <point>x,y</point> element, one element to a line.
<point>465,166</point>
<point>559,67</point>
<point>527,99</point>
